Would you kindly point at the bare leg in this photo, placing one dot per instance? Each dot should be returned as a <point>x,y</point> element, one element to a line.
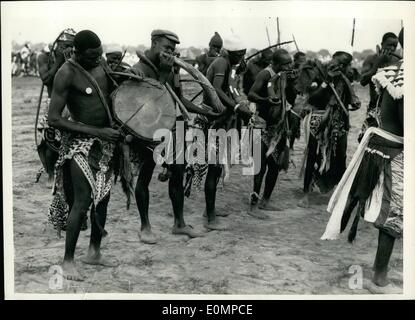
<point>82,200</point>
<point>176,193</point>
<point>50,159</point>
<point>270,181</point>
<point>94,253</point>
<point>258,178</point>
<point>142,199</point>
<point>211,182</point>
<point>309,170</point>
<point>383,254</point>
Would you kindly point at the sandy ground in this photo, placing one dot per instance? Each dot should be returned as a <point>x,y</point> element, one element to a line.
<point>281,256</point>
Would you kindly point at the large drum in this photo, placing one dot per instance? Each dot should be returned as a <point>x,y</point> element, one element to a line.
<point>143,107</point>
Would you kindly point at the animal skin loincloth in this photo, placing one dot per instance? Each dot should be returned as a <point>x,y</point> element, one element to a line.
<point>374,181</point>
<point>94,158</point>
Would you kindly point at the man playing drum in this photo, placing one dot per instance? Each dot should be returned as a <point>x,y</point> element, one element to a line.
<point>83,172</point>
<point>158,64</point>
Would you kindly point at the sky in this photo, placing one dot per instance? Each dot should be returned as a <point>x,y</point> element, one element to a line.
<point>315,25</point>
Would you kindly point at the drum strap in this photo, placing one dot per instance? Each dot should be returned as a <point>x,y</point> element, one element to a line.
<point>96,86</point>
<point>108,72</point>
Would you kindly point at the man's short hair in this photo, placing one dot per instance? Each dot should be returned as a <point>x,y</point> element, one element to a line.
<point>86,39</point>
<point>276,57</point>
<point>299,54</point>
<point>388,35</point>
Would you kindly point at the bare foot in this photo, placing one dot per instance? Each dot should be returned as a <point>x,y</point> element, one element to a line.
<point>49,183</point>
<point>380,279</point>
<point>187,230</point>
<point>303,203</point>
<point>375,289</point>
<point>215,225</point>
<point>98,259</point>
<point>218,213</point>
<point>147,236</point>
<point>256,213</point>
<point>70,272</point>
<point>267,206</point>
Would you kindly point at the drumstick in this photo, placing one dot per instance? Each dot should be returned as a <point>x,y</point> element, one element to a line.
<point>125,74</point>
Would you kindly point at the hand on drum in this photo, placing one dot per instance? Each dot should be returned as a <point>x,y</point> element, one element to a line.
<point>108,134</point>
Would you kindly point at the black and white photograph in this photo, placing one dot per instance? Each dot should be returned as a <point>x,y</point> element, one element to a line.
<point>218,149</point>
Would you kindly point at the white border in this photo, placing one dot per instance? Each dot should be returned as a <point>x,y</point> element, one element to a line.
<point>305,9</point>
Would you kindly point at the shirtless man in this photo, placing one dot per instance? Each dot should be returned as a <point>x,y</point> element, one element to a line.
<point>221,74</point>
<point>84,168</point>
<point>270,109</point>
<point>48,64</point>
<point>254,67</point>
<point>205,59</point>
<point>370,66</point>
<point>295,112</point>
<point>158,64</point>
<point>328,125</point>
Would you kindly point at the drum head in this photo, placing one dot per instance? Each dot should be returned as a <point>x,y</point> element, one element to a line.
<point>143,107</point>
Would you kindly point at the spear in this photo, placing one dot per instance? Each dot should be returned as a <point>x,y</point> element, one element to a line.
<point>269,41</point>
<point>354,22</point>
<point>278,30</point>
<point>269,47</point>
<point>295,42</point>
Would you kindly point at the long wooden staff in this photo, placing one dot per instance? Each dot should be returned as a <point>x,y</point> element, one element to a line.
<point>269,41</point>
<point>354,22</point>
<point>269,47</point>
<point>38,111</point>
<point>119,62</point>
<point>295,42</point>
<point>278,30</point>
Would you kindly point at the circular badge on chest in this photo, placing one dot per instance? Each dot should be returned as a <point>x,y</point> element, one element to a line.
<point>88,90</point>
